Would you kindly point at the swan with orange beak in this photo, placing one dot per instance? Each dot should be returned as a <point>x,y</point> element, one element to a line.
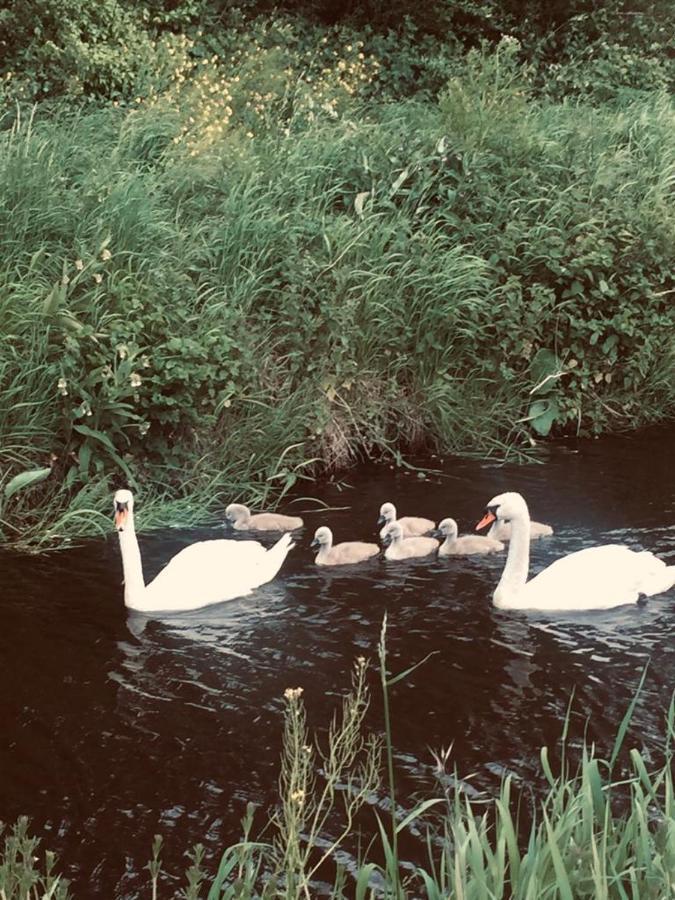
<point>593,578</point>
<point>204,573</point>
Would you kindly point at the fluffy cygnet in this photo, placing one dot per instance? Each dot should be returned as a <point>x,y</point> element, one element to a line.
<point>242,520</point>
<point>466,545</point>
<point>399,547</point>
<point>344,554</point>
<point>411,525</point>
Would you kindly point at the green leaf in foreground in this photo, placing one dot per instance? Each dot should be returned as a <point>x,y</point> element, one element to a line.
<point>542,415</point>
<point>26,479</point>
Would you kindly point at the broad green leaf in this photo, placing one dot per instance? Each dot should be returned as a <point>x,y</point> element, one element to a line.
<point>25,479</point>
<point>542,414</point>
<point>95,435</point>
<point>107,444</point>
<point>544,365</point>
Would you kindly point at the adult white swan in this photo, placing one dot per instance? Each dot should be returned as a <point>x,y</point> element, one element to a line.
<point>595,578</point>
<point>203,573</point>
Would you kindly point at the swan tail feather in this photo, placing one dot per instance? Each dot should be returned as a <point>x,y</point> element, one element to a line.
<point>658,583</point>
<point>284,544</point>
<point>278,552</point>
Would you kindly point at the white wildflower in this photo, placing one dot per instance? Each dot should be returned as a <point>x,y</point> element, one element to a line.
<point>293,693</point>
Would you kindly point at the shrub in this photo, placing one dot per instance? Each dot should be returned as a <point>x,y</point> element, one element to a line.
<point>462,275</point>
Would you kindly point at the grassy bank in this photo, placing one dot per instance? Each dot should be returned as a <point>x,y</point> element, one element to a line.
<point>600,829</point>
<point>256,271</point>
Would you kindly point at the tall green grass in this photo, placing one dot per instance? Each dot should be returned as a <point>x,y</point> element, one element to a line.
<point>219,322</point>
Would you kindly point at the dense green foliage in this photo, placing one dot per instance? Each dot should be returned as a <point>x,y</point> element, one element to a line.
<point>232,255</point>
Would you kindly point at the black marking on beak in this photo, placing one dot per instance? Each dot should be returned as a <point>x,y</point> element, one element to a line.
<point>121,511</point>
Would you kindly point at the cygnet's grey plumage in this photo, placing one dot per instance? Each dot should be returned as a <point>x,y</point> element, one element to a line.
<point>501,531</point>
<point>344,554</point>
<point>242,520</point>
<point>466,545</point>
<point>411,525</point>
<point>400,547</point>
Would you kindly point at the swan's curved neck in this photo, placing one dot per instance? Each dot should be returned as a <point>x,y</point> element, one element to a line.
<point>517,565</point>
<point>131,562</point>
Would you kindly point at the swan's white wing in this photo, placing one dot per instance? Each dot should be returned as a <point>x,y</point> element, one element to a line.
<point>207,572</point>
<point>595,578</point>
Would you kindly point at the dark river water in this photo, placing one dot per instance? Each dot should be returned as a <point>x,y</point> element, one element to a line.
<point>116,727</point>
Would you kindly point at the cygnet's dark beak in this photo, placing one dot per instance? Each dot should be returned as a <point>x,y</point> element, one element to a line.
<point>381,520</point>
<point>315,543</point>
<point>386,540</point>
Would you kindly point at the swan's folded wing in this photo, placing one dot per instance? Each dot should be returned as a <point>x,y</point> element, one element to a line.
<point>208,569</point>
<point>597,577</point>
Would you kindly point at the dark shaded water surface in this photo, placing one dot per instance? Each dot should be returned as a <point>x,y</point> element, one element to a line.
<point>116,727</point>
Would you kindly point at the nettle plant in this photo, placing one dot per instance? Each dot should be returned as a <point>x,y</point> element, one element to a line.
<point>136,383</point>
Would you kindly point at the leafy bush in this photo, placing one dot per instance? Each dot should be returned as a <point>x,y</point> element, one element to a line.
<point>327,280</point>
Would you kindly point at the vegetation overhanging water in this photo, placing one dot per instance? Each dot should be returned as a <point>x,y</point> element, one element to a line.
<point>239,251</point>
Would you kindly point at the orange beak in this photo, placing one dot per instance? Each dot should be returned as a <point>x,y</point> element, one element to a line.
<point>486,520</point>
<point>121,518</point>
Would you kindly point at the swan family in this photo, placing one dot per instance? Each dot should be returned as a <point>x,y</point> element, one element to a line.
<point>212,571</point>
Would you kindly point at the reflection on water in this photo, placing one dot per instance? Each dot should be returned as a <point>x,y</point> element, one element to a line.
<point>118,726</point>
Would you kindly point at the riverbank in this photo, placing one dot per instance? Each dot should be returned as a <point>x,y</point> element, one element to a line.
<point>266,266</point>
